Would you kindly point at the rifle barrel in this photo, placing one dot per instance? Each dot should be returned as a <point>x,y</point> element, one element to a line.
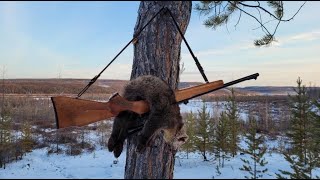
<point>252,76</point>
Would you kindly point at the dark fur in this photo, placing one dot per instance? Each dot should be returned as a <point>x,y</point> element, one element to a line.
<point>164,113</point>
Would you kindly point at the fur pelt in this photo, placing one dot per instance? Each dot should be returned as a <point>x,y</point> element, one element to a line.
<point>164,114</point>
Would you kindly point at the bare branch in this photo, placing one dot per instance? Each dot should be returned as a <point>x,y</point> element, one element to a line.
<point>252,17</point>
<point>224,8</point>
<point>297,11</point>
<point>238,19</point>
<point>264,24</point>
<point>275,30</point>
<point>227,28</point>
<point>260,19</point>
<point>247,5</point>
<point>262,8</point>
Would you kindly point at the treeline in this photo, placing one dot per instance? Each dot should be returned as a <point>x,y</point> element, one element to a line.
<point>256,98</point>
<point>219,134</point>
<point>50,87</point>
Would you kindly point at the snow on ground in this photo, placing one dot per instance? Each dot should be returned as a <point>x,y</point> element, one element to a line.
<point>195,168</point>
<point>100,164</point>
<point>196,105</point>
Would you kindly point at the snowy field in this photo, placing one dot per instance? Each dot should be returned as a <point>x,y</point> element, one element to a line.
<point>212,107</point>
<point>100,164</point>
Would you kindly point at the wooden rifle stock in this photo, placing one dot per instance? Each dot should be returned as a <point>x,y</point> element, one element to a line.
<point>79,112</point>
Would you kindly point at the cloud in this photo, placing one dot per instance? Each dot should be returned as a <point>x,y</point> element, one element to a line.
<point>279,64</point>
<point>271,76</point>
<point>210,53</point>
<point>299,38</point>
<point>248,45</point>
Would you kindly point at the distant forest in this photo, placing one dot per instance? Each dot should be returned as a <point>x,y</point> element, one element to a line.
<point>74,86</point>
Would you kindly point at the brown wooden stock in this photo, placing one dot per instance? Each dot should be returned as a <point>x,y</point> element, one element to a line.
<point>79,112</point>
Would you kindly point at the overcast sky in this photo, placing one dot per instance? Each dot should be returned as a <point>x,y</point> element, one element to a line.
<point>78,39</point>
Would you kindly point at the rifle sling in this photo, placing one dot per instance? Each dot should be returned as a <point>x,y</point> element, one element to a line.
<point>93,80</point>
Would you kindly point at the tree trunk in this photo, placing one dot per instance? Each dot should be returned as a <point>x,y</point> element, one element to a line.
<point>157,52</point>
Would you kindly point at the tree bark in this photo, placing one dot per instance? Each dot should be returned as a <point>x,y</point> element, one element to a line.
<point>157,52</point>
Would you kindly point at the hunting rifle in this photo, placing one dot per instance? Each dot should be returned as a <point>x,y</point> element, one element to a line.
<point>79,112</point>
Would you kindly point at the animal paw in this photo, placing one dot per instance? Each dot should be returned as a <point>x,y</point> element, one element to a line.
<point>111,144</point>
<point>114,146</point>
<point>118,150</point>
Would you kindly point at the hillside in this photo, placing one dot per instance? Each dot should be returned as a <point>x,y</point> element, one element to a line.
<point>50,86</point>
<point>109,86</point>
<point>270,90</point>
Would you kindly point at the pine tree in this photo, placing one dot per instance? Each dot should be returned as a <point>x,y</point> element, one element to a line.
<point>300,120</point>
<point>26,137</point>
<point>221,138</point>
<point>264,119</point>
<point>300,169</point>
<point>83,134</point>
<point>102,129</point>
<point>57,137</point>
<point>256,150</point>
<point>233,116</point>
<point>316,129</point>
<point>302,158</point>
<point>189,146</point>
<point>5,127</point>
<point>5,137</point>
<point>203,142</point>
